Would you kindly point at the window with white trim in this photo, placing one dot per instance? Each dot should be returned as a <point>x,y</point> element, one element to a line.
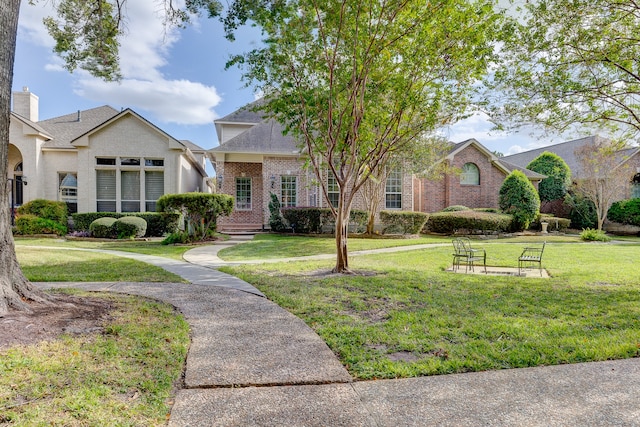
<point>68,190</point>
<point>635,186</point>
<point>121,182</point>
<point>393,190</point>
<point>333,190</point>
<point>470,174</point>
<point>289,188</point>
<point>243,193</point>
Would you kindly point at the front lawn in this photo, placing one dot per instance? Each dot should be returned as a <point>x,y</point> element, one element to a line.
<point>275,246</point>
<point>404,316</point>
<point>46,265</point>
<point>124,376</point>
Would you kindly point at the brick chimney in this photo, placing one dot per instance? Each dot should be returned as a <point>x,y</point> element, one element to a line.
<point>25,104</point>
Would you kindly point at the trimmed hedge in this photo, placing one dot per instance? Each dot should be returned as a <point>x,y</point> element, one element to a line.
<point>315,220</point>
<point>405,221</point>
<point>102,228</point>
<point>27,224</point>
<point>455,208</point>
<point>48,209</point>
<point>129,227</point>
<point>625,212</point>
<point>158,224</point>
<point>304,220</point>
<point>451,222</point>
<point>555,223</point>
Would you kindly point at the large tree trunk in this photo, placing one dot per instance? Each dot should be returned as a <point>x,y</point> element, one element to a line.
<point>15,289</point>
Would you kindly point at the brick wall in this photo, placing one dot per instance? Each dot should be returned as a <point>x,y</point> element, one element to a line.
<point>436,195</point>
<point>242,218</point>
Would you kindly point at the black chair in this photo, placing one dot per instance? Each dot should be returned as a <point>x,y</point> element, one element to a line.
<point>465,254</point>
<point>531,256</point>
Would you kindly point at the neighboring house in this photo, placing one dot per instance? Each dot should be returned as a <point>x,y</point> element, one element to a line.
<point>567,150</point>
<point>99,159</point>
<point>255,159</point>
<point>477,183</point>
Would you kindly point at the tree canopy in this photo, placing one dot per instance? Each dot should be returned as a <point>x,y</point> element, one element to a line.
<point>355,81</point>
<point>572,62</point>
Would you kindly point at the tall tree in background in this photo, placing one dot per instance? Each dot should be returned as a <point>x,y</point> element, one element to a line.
<point>87,36</point>
<point>604,175</point>
<point>572,62</point>
<point>558,180</point>
<point>356,80</point>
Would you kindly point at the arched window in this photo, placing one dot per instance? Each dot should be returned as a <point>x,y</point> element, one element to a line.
<point>470,174</point>
<point>635,186</point>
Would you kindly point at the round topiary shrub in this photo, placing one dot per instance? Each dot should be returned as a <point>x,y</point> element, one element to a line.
<point>129,227</point>
<point>519,198</point>
<point>558,179</point>
<point>102,228</point>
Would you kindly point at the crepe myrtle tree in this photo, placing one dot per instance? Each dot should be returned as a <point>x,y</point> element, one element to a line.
<point>356,80</point>
<point>88,34</point>
<point>570,64</point>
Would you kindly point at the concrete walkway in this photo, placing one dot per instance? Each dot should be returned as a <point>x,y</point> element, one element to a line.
<point>251,363</point>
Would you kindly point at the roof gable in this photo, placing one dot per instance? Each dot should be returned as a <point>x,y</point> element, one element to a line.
<point>65,129</point>
<point>264,138</point>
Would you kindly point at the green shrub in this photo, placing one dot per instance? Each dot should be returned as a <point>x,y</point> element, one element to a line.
<point>405,221</point>
<point>27,224</point>
<point>473,221</point>
<point>582,211</point>
<point>519,198</point>
<point>176,237</point>
<point>276,221</point>
<point>304,220</point>
<point>592,235</point>
<point>158,224</point>
<point>129,227</point>
<point>200,210</point>
<point>558,179</point>
<point>102,228</point>
<point>48,209</point>
<point>625,212</point>
<point>357,220</point>
<point>455,208</point>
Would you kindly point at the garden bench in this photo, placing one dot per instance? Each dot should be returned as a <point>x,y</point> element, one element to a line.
<point>465,254</point>
<point>531,256</point>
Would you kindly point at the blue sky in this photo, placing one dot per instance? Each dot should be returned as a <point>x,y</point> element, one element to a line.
<point>175,79</point>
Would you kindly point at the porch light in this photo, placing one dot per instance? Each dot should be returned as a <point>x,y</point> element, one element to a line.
<point>24,180</point>
<point>272,180</point>
<point>219,181</point>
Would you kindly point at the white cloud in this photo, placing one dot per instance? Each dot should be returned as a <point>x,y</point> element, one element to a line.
<point>476,126</point>
<point>170,101</point>
<point>145,48</point>
<point>30,25</point>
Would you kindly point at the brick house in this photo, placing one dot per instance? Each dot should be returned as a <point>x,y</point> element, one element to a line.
<point>255,159</point>
<point>567,150</point>
<point>477,184</point>
<point>99,159</point>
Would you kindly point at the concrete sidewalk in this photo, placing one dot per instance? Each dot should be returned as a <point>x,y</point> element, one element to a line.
<point>251,363</point>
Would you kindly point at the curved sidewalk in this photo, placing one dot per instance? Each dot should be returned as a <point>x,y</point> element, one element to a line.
<point>251,363</point>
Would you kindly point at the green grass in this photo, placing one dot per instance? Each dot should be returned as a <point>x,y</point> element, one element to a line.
<point>406,306</point>
<point>274,246</point>
<point>142,247</point>
<point>40,265</point>
<point>123,377</point>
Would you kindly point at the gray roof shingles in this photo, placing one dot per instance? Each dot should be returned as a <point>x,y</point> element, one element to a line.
<point>265,137</point>
<point>65,129</point>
